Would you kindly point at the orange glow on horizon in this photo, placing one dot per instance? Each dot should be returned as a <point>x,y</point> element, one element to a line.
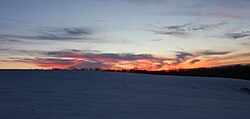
<point>117,64</point>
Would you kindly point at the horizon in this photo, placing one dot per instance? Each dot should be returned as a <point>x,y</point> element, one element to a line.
<point>124,34</point>
<point>135,69</point>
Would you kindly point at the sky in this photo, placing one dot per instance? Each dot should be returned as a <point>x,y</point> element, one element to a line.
<point>124,34</point>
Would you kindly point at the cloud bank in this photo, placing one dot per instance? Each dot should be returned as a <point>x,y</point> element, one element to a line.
<point>93,59</point>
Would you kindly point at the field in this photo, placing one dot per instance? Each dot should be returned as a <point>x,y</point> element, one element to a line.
<point>112,95</point>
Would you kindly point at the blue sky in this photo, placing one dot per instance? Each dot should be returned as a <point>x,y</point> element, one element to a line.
<point>164,29</point>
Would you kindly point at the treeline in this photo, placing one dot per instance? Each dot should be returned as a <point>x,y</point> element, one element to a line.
<point>234,71</point>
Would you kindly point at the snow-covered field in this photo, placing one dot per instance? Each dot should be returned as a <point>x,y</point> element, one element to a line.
<point>110,95</point>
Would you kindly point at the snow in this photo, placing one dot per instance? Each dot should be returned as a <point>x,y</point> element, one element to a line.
<point>111,95</point>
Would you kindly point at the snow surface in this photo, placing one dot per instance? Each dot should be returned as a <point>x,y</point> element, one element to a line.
<point>110,95</point>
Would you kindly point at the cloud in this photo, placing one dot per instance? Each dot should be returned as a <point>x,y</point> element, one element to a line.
<point>175,33</point>
<point>93,59</point>
<point>183,30</point>
<point>55,34</point>
<point>38,37</point>
<point>48,62</point>
<point>78,31</point>
<point>90,55</point>
<point>155,40</point>
<point>97,59</point>
<point>193,27</point>
<point>68,31</point>
<point>194,61</point>
<point>182,56</point>
<point>238,35</point>
<point>123,56</point>
<point>186,56</point>
<point>59,63</point>
<point>210,52</point>
<point>147,61</point>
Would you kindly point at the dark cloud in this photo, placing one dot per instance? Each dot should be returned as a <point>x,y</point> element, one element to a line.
<point>183,30</point>
<point>114,56</point>
<point>38,37</point>
<point>86,54</point>
<point>177,27</point>
<point>78,31</point>
<point>68,31</point>
<point>175,33</point>
<point>104,60</point>
<point>123,56</point>
<point>242,34</point>
<point>209,52</point>
<point>51,61</point>
<point>90,59</point>
<point>182,56</point>
<point>194,61</point>
<point>193,27</point>
<point>56,34</point>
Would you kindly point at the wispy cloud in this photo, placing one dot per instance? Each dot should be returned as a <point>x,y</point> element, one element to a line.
<point>53,34</point>
<point>210,52</point>
<point>183,30</point>
<point>193,27</point>
<point>243,34</point>
<point>68,31</point>
<point>38,37</point>
<point>192,57</point>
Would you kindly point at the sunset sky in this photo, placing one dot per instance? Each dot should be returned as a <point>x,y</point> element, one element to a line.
<point>116,34</point>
